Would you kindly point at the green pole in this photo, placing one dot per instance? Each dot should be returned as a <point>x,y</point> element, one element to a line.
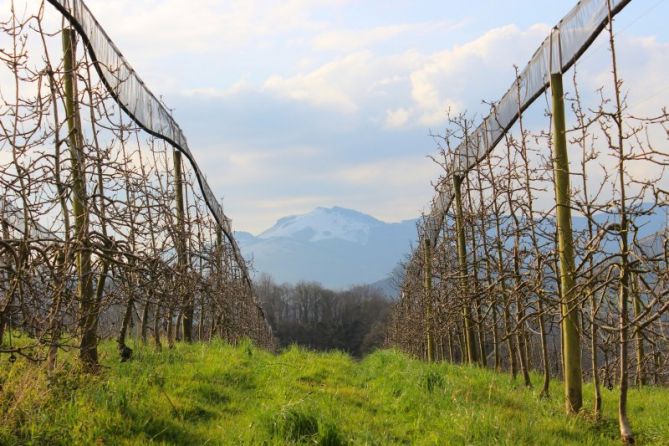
<point>188,308</point>
<point>219,249</point>
<point>87,305</point>
<point>568,300</point>
<point>427,270</point>
<point>470,338</point>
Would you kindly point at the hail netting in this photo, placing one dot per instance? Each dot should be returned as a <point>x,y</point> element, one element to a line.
<point>566,43</point>
<point>139,103</point>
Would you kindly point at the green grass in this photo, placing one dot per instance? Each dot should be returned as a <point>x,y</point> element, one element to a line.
<point>218,394</point>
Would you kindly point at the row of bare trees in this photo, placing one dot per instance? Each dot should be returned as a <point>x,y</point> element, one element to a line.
<point>103,226</point>
<point>309,315</point>
<point>550,266</point>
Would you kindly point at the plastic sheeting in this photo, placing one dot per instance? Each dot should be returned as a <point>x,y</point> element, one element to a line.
<point>139,103</point>
<point>13,218</point>
<point>568,40</point>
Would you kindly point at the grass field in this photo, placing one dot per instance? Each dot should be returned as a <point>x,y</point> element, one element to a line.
<point>218,394</point>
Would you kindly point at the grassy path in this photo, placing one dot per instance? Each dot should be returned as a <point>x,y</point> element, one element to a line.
<point>221,395</point>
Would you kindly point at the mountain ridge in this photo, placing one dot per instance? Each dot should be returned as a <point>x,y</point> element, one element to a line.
<point>337,247</point>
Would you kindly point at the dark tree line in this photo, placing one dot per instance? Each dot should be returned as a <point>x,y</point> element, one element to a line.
<point>318,318</point>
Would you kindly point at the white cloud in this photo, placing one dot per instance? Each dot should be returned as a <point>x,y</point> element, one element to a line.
<point>397,118</point>
<point>457,79</point>
<point>414,89</point>
<point>240,167</point>
<point>333,85</point>
<point>351,40</point>
<point>174,26</point>
<point>293,205</point>
<point>248,158</point>
<point>217,93</point>
<point>407,172</point>
<point>348,83</point>
<point>348,40</point>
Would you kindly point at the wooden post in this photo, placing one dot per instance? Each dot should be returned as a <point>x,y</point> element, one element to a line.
<point>470,338</point>
<point>88,312</point>
<point>5,278</point>
<point>638,335</point>
<point>427,270</point>
<point>568,300</point>
<point>220,251</point>
<point>188,308</point>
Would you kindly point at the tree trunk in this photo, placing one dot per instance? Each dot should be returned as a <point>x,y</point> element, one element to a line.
<point>145,322</point>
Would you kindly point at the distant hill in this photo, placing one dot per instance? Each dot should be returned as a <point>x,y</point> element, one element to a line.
<point>387,286</point>
<point>337,247</point>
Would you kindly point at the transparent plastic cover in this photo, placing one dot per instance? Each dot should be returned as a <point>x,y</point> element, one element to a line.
<point>138,102</point>
<point>566,43</point>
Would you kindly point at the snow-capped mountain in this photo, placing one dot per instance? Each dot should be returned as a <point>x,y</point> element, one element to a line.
<point>325,224</point>
<point>337,247</point>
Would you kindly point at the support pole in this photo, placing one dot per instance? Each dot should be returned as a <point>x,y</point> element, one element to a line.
<point>568,300</point>
<point>427,271</point>
<point>221,319</point>
<point>5,278</point>
<point>219,252</point>
<point>88,312</point>
<point>188,308</point>
<point>638,334</point>
<point>470,338</point>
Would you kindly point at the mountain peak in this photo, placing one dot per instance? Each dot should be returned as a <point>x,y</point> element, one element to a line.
<point>335,246</point>
<point>324,223</point>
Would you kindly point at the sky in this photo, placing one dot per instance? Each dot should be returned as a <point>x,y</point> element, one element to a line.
<point>289,105</point>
